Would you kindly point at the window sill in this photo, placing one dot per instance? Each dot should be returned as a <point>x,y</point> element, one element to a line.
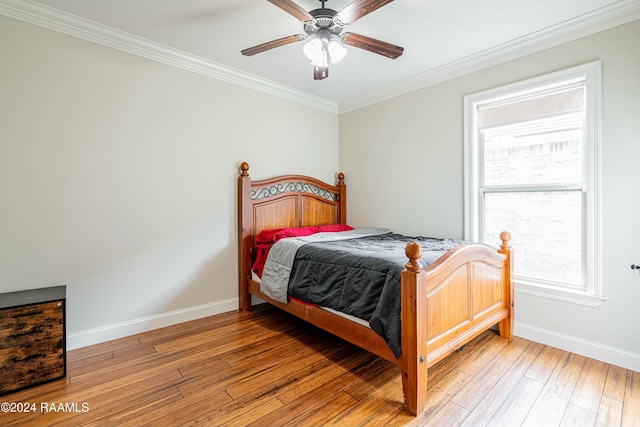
<point>574,297</point>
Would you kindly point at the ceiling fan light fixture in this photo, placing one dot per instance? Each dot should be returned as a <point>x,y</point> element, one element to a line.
<point>337,52</point>
<point>318,50</point>
<point>313,50</point>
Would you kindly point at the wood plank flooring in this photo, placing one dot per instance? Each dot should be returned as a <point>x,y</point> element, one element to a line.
<point>266,368</point>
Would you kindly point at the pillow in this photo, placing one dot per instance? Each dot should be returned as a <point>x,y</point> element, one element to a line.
<point>333,227</point>
<point>267,238</point>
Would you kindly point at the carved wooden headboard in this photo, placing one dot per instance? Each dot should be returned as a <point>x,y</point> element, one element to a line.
<point>284,201</point>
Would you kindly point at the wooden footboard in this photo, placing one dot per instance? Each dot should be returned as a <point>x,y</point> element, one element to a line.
<point>444,306</point>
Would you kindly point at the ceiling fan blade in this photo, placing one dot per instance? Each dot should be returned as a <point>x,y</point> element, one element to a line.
<point>272,44</point>
<point>358,9</point>
<point>293,9</point>
<point>372,45</point>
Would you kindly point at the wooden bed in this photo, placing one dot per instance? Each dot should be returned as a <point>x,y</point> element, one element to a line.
<point>444,306</point>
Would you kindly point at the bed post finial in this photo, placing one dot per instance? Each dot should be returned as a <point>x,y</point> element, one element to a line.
<point>505,236</point>
<point>414,253</point>
<point>340,178</point>
<point>244,167</point>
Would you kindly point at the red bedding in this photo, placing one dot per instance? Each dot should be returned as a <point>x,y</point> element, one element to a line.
<point>267,238</point>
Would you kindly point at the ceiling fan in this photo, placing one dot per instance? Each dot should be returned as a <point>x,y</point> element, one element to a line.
<point>323,28</point>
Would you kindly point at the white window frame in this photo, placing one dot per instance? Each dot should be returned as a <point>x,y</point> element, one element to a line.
<point>591,74</point>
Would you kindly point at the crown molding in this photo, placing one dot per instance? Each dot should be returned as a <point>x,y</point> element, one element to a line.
<point>56,20</point>
<point>620,13</point>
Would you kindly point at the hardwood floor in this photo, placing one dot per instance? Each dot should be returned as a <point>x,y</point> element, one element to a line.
<point>266,368</point>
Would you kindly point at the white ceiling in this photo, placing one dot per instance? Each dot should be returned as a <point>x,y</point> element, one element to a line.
<point>439,37</point>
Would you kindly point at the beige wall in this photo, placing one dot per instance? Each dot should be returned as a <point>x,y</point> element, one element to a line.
<point>407,153</point>
<point>118,177</point>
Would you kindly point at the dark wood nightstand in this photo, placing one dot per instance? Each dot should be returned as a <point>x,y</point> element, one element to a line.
<point>32,337</point>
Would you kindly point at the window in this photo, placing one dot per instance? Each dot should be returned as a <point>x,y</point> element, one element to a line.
<point>531,165</point>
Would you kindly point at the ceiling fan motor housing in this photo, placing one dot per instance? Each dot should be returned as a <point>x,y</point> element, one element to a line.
<point>323,19</point>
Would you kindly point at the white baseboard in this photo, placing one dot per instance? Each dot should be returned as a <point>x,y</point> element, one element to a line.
<point>144,324</point>
<point>594,350</point>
